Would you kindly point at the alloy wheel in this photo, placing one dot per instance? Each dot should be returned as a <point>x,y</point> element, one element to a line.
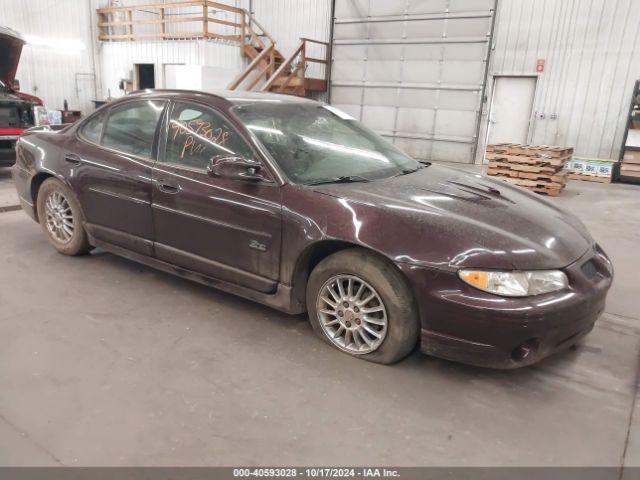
<point>59,217</point>
<point>352,314</point>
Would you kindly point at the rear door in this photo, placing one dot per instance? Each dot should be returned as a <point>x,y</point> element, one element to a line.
<point>111,161</point>
<point>223,228</point>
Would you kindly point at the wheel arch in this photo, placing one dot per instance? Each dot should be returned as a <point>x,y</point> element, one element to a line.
<point>318,251</point>
<point>36,183</point>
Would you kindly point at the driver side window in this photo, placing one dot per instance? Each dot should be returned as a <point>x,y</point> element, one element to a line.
<point>196,134</point>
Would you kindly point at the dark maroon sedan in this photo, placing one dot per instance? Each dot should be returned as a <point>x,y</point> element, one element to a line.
<point>294,204</point>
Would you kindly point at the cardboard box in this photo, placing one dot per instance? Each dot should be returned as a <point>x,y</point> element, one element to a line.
<point>577,166</point>
<point>592,167</point>
<point>55,117</point>
<point>605,169</point>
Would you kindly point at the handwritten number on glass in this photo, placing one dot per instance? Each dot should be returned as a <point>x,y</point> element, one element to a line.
<point>195,135</point>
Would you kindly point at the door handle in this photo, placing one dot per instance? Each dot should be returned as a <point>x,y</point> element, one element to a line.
<point>167,187</point>
<point>73,158</point>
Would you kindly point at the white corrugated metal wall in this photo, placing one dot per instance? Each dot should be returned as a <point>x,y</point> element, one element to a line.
<point>118,59</point>
<point>47,68</point>
<point>590,48</point>
<point>288,20</point>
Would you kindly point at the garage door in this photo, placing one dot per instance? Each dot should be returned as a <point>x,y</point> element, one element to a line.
<point>414,71</point>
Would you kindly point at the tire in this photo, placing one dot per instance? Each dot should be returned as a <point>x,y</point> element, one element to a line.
<point>399,311</point>
<point>62,219</point>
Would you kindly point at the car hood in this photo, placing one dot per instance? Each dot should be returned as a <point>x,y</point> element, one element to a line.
<point>11,43</point>
<point>447,218</point>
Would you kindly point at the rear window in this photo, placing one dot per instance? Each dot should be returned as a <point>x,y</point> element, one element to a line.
<point>131,128</point>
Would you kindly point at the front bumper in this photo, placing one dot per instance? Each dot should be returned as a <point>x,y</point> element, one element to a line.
<point>467,325</point>
<point>22,181</point>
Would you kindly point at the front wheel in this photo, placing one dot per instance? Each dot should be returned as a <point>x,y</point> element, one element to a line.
<point>362,305</point>
<point>61,218</point>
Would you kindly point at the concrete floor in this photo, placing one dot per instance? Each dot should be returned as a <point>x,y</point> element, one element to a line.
<point>8,195</point>
<point>107,362</point>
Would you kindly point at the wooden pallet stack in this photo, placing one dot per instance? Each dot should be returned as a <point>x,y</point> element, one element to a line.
<point>538,168</point>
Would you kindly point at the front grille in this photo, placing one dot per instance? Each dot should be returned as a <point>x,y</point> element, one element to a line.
<point>7,145</point>
<point>9,116</point>
<point>589,269</point>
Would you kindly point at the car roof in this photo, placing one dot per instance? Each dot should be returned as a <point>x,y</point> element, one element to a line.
<point>232,97</point>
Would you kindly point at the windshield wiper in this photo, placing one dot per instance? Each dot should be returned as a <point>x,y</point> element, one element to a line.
<point>342,179</point>
<point>407,171</point>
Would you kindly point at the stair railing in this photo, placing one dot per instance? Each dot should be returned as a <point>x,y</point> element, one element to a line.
<point>297,68</point>
<point>173,20</point>
<point>299,52</point>
<point>249,23</point>
<point>267,52</point>
<point>264,64</point>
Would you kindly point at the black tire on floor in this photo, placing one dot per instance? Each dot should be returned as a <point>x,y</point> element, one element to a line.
<point>78,243</point>
<point>403,327</point>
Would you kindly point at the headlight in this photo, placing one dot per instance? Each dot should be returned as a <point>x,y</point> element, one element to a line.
<point>516,284</point>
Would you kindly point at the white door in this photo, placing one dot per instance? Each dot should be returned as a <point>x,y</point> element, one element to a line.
<point>511,109</point>
<point>169,75</point>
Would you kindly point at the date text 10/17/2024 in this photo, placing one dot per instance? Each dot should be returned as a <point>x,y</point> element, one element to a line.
<point>315,472</point>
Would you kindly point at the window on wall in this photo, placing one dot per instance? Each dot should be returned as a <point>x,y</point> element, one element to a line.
<point>131,127</point>
<point>197,134</point>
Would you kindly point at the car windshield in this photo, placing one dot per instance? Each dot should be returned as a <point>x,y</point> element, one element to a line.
<point>315,143</point>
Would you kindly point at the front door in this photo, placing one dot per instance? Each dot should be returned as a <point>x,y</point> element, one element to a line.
<point>111,162</point>
<point>511,109</point>
<point>223,228</point>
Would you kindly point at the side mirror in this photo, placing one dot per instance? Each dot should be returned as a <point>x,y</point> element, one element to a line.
<point>236,168</point>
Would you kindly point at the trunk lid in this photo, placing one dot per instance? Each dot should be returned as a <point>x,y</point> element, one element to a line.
<point>11,43</point>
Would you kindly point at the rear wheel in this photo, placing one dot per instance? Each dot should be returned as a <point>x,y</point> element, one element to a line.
<point>61,218</point>
<point>361,304</point>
